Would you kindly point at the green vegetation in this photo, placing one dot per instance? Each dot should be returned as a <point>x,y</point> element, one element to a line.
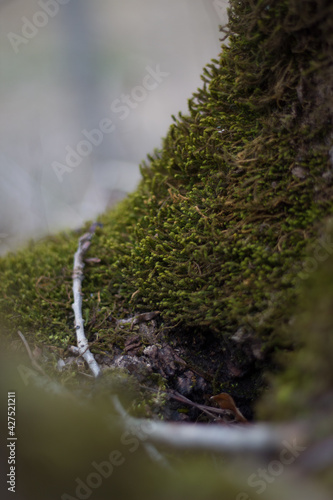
<point>230,236</point>
<point>216,233</point>
<point>305,384</point>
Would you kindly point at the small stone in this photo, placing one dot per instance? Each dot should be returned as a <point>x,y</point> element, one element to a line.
<point>240,335</point>
<point>185,383</point>
<point>133,365</point>
<point>61,365</point>
<point>164,360</point>
<point>257,351</point>
<point>299,172</point>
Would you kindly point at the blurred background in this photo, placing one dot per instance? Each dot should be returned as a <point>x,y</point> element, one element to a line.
<point>87,90</point>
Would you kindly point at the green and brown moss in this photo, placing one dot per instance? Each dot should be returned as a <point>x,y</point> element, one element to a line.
<point>215,235</point>
<point>304,387</point>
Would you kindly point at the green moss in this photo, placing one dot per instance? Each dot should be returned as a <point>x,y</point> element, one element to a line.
<point>305,384</point>
<point>216,234</point>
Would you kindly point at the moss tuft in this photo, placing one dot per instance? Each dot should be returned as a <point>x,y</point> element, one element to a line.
<point>216,234</point>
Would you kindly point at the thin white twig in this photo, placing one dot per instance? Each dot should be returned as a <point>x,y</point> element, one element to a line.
<point>73,350</point>
<point>253,438</point>
<point>32,359</point>
<point>82,342</point>
<point>233,439</point>
<point>209,410</point>
<point>43,380</point>
<point>152,452</point>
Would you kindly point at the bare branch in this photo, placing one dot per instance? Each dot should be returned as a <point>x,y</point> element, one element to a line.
<point>253,438</point>
<point>32,359</point>
<point>82,342</point>
<point>153,453</point>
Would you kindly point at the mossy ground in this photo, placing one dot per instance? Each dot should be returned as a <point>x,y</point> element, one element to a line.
<point>216,233</point>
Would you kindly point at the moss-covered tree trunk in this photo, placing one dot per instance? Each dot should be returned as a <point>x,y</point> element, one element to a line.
<point>217,235</point>
<point>230,226</point>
